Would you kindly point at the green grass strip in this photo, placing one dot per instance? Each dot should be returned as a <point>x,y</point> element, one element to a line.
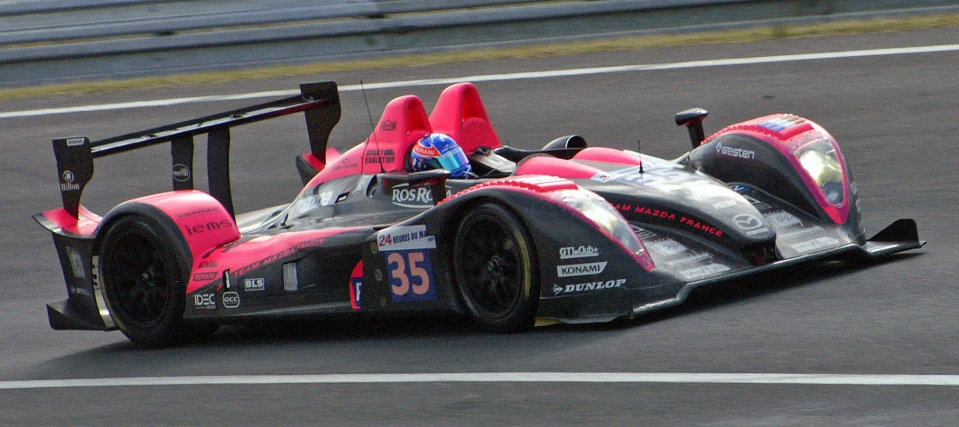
<point>517,52</point>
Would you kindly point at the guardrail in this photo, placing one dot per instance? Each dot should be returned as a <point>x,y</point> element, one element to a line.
<point>45,42</point>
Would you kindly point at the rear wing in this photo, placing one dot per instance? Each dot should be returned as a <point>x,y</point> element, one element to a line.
<point>319,102</point>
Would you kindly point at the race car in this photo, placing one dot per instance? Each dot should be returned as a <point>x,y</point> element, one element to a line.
<point>569,233</point>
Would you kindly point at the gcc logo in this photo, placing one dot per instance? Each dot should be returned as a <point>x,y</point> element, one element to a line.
<point>231,299</point>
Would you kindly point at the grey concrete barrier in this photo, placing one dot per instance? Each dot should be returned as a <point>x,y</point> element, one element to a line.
<point>69,40</point>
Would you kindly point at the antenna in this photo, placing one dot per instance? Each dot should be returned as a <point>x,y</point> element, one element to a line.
<point>379,157</point>
<point>639,150</point>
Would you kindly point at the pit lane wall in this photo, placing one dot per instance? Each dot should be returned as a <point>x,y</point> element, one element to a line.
<point>44,41</point>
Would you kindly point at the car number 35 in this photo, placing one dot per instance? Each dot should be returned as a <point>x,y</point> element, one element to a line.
<point>411,276</point>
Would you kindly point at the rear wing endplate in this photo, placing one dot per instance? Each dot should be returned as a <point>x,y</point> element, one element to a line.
<point>319,102</point>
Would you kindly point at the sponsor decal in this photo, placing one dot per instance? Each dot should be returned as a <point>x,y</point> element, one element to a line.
<point>728,151</point>
<point>253,285</point>
<point>242,271</point>
<point>571,252</point>
<point>703,271</point>
<point>757,231</point>
<point>204,301</point>
<point>643,233</point>
<point>666,247</point>
<point>780,219</point>
<point>760,206</point>
<point>231,299</point>
<point>706,228</point>
<point>602,177</point>
<point>747,221</point>
<point>782,123</point>
<point>426,151</point>
<point>73,142</point>
<point>689,260</point>
<point>68,184</point>
<point>356,286</point>
<point>203,277</point>
<point>651,177</point>
<point>801,232</point>
<point>671,216</point>
<point>199,212</point>
<point>310,202</point>
<point>815,244</point>
<point>702,191</point>
<point>415,197</point>
<point>346,163</point>
<point>657,213</point>
<point>210,263</point>
<point>181,172</point>
<point>192,229</point>
<point>739,188</point>
<point>76,262</point>
<point>404,238</point>
<point>724,204</point>
<point>388,125</point>
<point>79,290</point>
<point>588,286</point>
<point>750,223</point>
<point>411,275</point>
<point>380,156</point>
<point>573,270</point>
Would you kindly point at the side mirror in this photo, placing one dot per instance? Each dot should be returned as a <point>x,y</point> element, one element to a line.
<point>565,142</point>
<point>693,120</point>
<point>436,179</point>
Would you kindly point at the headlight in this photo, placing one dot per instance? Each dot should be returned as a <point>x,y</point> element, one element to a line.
<point>608,220</point>
<point>819,159</point>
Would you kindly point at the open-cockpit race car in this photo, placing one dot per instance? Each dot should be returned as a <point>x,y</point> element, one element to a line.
<point>568,233</point>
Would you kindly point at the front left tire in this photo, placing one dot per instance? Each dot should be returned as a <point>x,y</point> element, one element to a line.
<point>495,269</point>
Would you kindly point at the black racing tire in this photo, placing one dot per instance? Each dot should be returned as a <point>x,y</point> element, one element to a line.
<point>494,265</point>
<point>143,282</point>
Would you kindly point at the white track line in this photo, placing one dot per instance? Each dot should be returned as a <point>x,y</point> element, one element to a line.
<point>525,377</point>
<point>499,77</point>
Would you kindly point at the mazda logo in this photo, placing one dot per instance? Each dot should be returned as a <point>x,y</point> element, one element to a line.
<point>747,221</point>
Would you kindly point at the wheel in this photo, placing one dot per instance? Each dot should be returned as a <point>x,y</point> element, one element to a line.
<point>494,266</point>
<point>143,283</point>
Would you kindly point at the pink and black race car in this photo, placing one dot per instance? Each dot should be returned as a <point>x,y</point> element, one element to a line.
<point>568,233</point>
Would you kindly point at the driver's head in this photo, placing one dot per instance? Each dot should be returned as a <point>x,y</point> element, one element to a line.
<point>438,151</point>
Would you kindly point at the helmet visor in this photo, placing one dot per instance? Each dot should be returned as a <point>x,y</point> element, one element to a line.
<point>453,160</point>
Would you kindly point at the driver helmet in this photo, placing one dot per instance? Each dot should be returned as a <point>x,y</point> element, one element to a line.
<point>439,151</point>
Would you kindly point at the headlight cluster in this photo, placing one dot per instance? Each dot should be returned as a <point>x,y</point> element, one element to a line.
<point>608,220</point>
<point>820,160</point>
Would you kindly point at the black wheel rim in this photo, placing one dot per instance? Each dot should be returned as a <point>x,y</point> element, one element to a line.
<point>138,280</point>
<point>490,260</point>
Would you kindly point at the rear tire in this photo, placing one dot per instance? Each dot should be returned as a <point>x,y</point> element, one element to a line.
<point>494,265</point>
<point>143,283</point>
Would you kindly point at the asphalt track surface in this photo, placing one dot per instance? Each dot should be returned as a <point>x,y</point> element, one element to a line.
<point>895,117</point>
